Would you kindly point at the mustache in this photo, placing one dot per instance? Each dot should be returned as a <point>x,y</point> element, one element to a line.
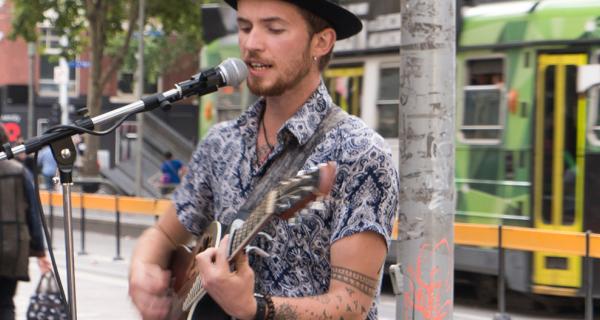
<point>253,55</point>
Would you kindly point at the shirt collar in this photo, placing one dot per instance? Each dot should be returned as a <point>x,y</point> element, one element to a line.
<point>302,125</point>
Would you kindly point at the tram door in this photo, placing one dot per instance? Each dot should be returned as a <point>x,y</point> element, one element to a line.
<point>558,167</point>
<point>345,87</point>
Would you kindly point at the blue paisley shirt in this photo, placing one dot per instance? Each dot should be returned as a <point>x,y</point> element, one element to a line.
<point>223,171</point>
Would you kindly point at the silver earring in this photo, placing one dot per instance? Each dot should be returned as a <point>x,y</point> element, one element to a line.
<point>315,58</point>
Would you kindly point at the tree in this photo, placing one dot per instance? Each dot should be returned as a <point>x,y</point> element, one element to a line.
<point>93,26</point>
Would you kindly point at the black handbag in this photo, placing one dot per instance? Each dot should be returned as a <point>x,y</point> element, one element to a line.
<point>46,302</point>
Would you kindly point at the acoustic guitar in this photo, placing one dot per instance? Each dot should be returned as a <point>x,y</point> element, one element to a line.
<point>190,300</point>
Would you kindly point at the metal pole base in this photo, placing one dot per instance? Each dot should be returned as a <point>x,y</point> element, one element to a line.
<point>501,316</point>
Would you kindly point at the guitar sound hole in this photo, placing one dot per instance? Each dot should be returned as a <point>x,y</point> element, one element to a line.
<point>206,242</point>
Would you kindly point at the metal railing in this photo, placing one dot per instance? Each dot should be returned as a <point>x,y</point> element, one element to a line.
<point>585,244</point>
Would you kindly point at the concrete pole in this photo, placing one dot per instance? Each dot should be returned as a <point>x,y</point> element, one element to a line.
<point>30,87</point>
<point>427,195</point>
<point>140,93</point>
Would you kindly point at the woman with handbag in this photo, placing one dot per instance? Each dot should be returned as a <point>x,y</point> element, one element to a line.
<point>21,234</point>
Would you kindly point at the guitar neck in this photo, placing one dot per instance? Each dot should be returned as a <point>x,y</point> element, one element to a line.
<point>259,217</point>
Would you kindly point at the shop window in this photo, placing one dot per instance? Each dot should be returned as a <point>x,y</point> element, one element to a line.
<point>388,102</point>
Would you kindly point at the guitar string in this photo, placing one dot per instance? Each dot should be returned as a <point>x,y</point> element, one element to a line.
<point>254,218</point>
<point>282,193</point>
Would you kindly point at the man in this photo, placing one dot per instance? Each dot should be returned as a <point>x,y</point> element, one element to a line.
<point>21,233</point>
<point>328,264</point>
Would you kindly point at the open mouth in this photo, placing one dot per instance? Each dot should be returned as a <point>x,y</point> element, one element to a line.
<point>260,66</point>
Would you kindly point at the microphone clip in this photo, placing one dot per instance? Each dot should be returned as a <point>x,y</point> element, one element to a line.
<point>164,103</point>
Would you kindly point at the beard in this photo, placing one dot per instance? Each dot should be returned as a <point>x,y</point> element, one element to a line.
<point>293,73</point>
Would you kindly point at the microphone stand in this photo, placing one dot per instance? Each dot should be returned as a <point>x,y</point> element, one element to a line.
<point>64,153</point>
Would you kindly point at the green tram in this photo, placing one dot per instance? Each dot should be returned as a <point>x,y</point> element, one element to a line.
<point>527,143</point>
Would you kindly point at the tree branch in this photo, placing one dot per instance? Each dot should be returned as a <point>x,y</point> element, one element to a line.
<point>120,55</point>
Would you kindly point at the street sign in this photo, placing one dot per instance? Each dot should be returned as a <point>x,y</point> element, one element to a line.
<point>79,64</point>
<point>61,75</point>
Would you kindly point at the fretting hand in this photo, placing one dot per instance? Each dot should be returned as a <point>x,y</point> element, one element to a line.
<point>233,289</point>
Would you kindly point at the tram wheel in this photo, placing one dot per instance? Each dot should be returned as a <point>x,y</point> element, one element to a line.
<point>486,289</point>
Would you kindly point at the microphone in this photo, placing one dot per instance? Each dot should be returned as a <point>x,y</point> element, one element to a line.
<point>231,72</point>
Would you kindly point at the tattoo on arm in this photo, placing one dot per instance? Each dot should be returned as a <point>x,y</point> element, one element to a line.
<point>286,311</point>
<point>354,280</point>
<point>363,283</point>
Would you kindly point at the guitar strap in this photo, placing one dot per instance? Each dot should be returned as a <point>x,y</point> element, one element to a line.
<point>290,162</point>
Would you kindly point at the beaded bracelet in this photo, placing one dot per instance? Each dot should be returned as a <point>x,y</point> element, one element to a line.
<point>261,307</point>
<point>270,308</point>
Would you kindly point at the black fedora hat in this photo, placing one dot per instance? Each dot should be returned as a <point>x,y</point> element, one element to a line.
<point>344,22</point>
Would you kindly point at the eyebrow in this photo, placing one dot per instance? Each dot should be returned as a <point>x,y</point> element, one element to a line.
<point>263,20</point>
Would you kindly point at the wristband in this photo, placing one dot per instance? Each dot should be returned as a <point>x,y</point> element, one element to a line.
<point>261,307</point>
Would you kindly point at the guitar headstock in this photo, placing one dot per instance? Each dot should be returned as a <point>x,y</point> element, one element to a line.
<point>295,193</point>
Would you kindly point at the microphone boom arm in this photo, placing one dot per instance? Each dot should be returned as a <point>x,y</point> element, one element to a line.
<point>149,103</point>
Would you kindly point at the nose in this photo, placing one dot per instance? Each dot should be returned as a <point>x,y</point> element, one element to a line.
<point>252,41</point>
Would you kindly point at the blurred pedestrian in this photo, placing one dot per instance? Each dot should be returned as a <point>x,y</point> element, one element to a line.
<point>21,234</point>
<point>172,170</point>
<point>48,166</point>
<point>24,158</point>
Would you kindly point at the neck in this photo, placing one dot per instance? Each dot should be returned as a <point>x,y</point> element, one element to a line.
<point>280,108</point>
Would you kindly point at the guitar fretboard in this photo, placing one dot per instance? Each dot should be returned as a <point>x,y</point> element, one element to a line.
<point>282,198</point>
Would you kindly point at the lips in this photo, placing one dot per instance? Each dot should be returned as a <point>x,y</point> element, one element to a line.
<point>259,66</point>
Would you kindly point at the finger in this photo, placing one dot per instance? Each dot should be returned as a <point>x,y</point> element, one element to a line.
<point>159,307</point>
<point>150,278</point>
<point>241,263</point>
<point>205,260</point>
<point>151,306</point>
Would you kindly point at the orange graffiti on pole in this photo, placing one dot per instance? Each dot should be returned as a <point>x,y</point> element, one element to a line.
<point>426,291</point>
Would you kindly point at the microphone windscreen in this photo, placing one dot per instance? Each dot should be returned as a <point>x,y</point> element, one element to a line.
<point>234,71</point>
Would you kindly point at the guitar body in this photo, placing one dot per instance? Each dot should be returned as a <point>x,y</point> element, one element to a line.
<point>207,309</point>
<point>185,277</point>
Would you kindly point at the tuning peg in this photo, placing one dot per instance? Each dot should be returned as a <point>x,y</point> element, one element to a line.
<point>258,251</point>
<point>267,236</point>
<point>283,206</point>
<point>293,221</point>
<point>309,170</point>
<point>317,205</point>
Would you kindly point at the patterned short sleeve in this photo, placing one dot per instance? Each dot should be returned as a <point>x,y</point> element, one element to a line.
<point>365,195</point>
<point>193,198</point>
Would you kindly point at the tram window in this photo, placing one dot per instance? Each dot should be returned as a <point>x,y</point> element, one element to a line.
<point>388,102</point>
<point>481,119</point>
<point>483,97</point>
<point>485,71</point>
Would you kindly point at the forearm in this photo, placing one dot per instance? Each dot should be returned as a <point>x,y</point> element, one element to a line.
<point>152,247</point>
<point>158,242</point>
<point>333,305</point>
<point>354,282</point>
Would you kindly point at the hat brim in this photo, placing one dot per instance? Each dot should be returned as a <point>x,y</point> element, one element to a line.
<point>344,22</point>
